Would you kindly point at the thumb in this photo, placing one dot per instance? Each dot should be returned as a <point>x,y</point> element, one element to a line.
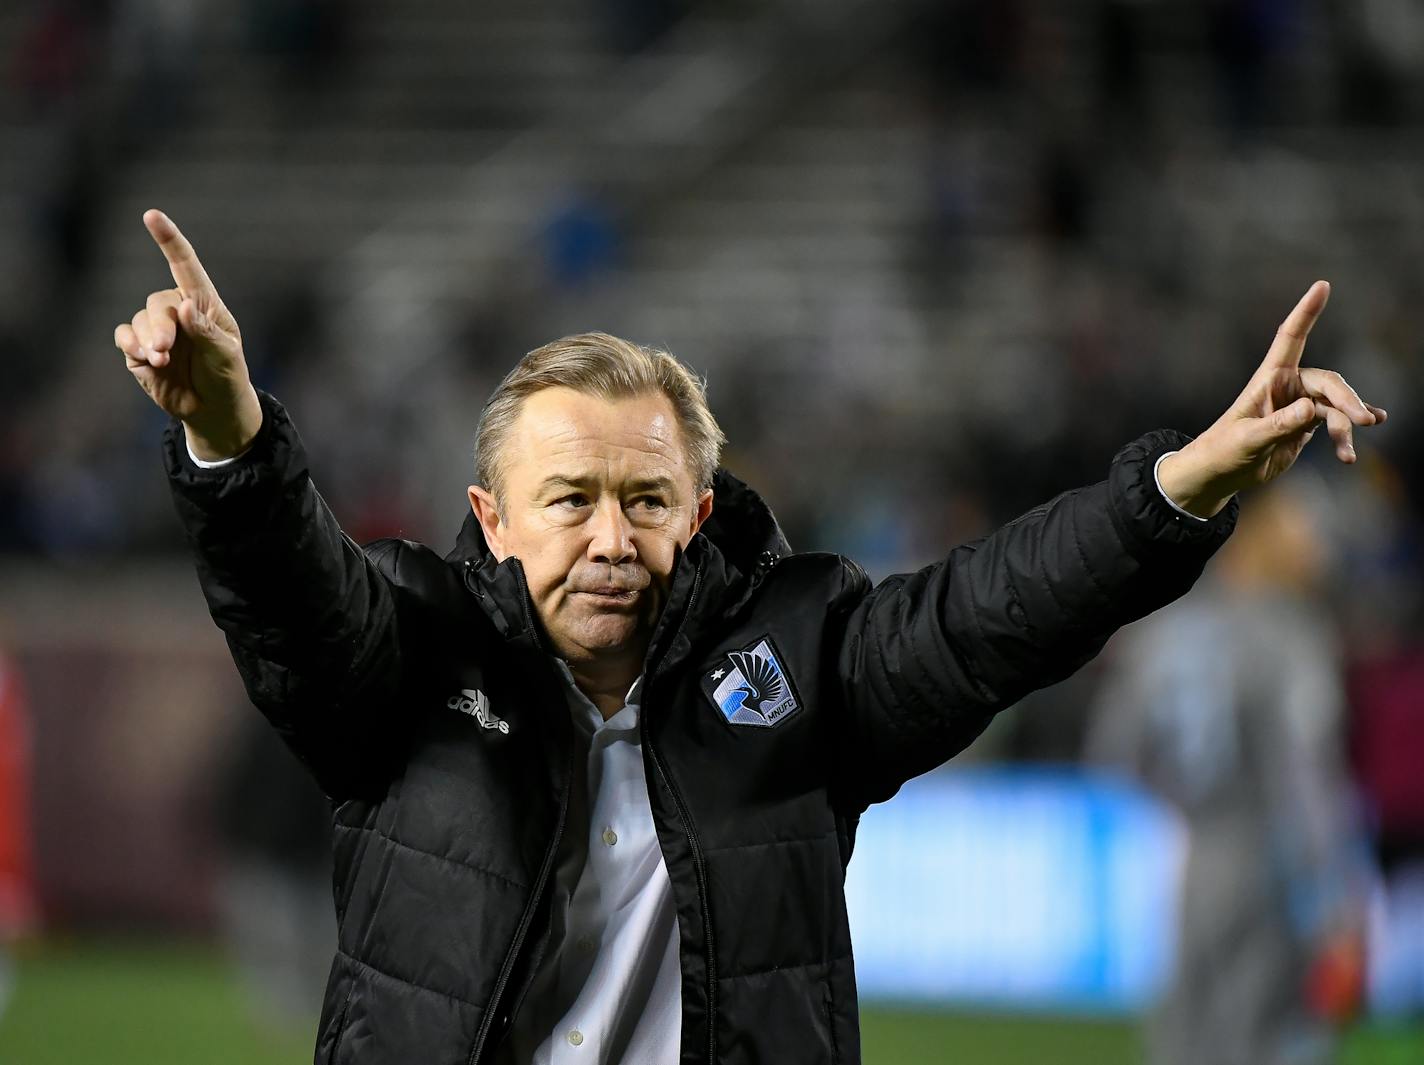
<point>1287,421</point>
<point>194,322</point>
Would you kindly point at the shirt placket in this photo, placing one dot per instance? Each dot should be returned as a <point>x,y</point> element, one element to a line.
<point>582,1038</point>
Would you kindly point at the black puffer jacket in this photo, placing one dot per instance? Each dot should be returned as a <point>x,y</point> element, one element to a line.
<point>449,804</point>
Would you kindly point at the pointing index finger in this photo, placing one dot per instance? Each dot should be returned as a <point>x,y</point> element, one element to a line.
<point>183,262</point>
<point>1286,349</point>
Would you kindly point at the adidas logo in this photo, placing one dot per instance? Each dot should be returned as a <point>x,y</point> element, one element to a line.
<point>476,703</point>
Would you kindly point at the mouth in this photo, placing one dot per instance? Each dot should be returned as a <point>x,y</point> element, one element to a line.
<point>610,597</point>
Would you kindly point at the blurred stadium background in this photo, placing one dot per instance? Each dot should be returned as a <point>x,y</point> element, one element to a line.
<point>938,261</point>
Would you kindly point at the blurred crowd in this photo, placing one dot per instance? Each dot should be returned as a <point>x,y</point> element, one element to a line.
<point>1103,209</point>
<point>1139,199</point>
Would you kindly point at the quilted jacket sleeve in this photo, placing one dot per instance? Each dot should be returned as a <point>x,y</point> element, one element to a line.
<point>926,659</point>
<point>310,618</point>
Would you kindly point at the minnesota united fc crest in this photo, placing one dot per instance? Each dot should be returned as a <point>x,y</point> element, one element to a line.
<point>750,686</point>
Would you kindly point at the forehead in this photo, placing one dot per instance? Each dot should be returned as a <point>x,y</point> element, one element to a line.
<point>562,431</point>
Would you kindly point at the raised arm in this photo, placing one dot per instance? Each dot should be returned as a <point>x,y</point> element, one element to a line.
<point>185,351</point>
<point>926,659</point>
<point>1262,434</point>
<point>310,618</point>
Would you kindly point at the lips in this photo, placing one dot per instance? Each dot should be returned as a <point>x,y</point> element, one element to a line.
<point>611,592</point>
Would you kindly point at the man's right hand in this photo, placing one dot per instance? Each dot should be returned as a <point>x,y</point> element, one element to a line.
<point>185,350</point>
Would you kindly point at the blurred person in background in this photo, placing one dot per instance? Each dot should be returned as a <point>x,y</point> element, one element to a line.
<point>18,910</point>
<point>528,868</point>
<point>274,883</point>
<point>1230,706</point>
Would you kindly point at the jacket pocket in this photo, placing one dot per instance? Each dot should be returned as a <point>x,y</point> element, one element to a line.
<point>341,1025</point>
<point>339,991</point>
<point>829,1003</point>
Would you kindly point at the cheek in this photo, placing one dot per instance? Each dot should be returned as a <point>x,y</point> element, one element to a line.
<point>547,556</point>
<point>657,553</point>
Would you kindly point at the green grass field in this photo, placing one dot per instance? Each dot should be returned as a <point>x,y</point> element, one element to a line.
<point>117,1004</point>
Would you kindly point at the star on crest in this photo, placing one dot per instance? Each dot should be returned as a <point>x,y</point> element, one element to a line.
<point>718,674</point>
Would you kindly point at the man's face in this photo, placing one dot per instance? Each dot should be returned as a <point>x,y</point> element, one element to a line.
<point>598,497</point>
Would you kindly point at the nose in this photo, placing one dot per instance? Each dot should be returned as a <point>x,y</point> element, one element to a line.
<point>611,535</point>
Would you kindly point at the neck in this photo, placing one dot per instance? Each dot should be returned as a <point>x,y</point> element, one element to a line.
<point>606,684</point>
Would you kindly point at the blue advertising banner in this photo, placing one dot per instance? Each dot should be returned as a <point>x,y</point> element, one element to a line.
<point>1020,887</point>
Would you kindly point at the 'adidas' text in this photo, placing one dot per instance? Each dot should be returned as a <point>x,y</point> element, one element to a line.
<point>474,702</point>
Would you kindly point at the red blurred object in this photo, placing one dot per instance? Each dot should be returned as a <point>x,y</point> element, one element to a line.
<point>1335,982</point>
<point>18,911</point>
<point>1387,741</point>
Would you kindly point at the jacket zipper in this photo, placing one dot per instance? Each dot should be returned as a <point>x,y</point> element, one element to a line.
<point>699,863</point>
<point>524,602</point>
<point>527,916</point>
<point>700,869</point>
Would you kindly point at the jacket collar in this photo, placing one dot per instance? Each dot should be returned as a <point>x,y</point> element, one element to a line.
<point>713,578</point>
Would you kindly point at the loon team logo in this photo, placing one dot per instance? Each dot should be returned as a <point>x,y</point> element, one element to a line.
<point>751,687</point>
<point>474,702</point>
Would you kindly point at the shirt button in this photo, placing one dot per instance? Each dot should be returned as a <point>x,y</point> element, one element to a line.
<point>609,836</point>
<point>586,944</point>
<point>575,1038</point>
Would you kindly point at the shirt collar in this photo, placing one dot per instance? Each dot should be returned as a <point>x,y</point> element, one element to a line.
<point>582,709</point>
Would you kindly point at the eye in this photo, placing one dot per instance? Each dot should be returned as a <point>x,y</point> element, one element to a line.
<point>649,503</point>
<point>572,501</point>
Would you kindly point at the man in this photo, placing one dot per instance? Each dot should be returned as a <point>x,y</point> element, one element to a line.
<point>597,773</point>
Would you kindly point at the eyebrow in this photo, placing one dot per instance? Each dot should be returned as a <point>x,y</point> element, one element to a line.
<point>644,484</point>
<point>559,480</point>
<point>652,484</point>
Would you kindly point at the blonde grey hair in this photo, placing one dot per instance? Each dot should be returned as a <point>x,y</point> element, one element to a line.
<point>598,364</point>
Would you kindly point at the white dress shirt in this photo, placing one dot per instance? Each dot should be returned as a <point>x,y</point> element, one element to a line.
<point>1157,478</point>
<point>609,987</point>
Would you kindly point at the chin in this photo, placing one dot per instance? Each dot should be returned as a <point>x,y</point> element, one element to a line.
<point>606,632</point>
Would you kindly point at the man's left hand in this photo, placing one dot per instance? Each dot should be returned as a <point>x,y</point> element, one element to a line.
<point>1264,431</point>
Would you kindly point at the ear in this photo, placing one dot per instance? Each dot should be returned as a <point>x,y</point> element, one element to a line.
<point>482,502</point>
<point>702,511</point>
